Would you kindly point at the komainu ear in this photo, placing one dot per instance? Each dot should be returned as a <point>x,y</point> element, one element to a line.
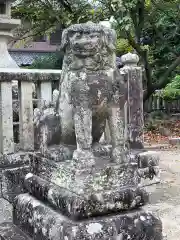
<point>109,41</point>
<point>64,41</point>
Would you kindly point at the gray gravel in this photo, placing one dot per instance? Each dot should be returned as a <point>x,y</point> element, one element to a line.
<point>165,197</point>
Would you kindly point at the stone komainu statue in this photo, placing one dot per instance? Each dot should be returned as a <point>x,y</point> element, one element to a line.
<point>91,91</point>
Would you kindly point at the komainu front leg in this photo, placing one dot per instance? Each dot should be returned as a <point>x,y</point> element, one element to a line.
<point>83,131</point>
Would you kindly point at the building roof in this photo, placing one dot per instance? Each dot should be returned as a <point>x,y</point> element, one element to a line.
<point>27,57</point>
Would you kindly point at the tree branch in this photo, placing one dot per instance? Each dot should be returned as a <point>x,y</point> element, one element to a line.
<point>29,34</point>
<point>141,12</point>
<point>163,81</point>
<point>143,55</point>
<point>160,35</point>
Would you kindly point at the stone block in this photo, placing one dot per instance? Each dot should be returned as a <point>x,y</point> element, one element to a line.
<point>77,206</point>
<point>148,168</point>
<point>12,182</point>
<point>148,158</point>
<point>13,168</point>
<point>104,176</point>
<point>14,160</point>
<point>174,141</point>
<point>9,231</point>
<point>44,164</point>
<point>148,163</point>
<point>42,222</point>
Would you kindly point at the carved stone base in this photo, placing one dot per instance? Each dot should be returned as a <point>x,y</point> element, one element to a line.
<point>103,176</point>
<point>147,160</point>
<point>67,201</point>
<point>41,222</point>
<point>13,168</point>
<point>80,206</point>
<point>9,231</point>
<point>107,187</point>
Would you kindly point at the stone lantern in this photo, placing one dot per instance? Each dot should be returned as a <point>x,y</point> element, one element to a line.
<point>7,24</point>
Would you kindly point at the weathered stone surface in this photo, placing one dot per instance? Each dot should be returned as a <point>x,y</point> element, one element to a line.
<point>29,75</point>
<point>15,159</point>
<point>107,187</point>
<point>6,126</point>
<point>44,165</point>
<point>12,182</point>
<point>174,141</point>
<point>148,158</point>
<point>91,91</point>
<point>42,222</point>
<point>13,169</point>
<point>8,231</point>
<point>148,163</point>
<point>135,118</point>
<point>62,152</point>
<point>88,182</point>
<point>42,119</point>
<point>105,175</point>
<point>78,206</point>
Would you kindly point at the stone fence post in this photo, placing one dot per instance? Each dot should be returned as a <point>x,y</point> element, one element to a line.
<point>134,120</point>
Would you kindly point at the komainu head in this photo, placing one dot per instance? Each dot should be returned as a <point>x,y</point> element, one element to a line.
<point>87,39</point>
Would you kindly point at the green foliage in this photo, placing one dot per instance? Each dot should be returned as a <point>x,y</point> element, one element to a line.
<point>151,28</point>
<point>135,21</point>
<point>164,30</point>
<point>172,90</point>
<point>45,15</point>
<point>51,61</point>
<point>123,47</point>
<point>158,22</point>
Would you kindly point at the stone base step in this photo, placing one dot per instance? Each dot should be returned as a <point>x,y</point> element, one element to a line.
<point>41,222</point>
<point>8,231</point>
<point>174,141</point>
<point>44,166</point>
<point>80,206</point>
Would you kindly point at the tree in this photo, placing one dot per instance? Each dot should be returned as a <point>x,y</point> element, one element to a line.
<point>45,15</point>
<point>151,28</point>
<point>172,89</point>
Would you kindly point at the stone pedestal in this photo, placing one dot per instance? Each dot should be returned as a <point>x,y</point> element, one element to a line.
<point>13,168</point>
<point>8,231</point>
<point>73,202</point>
<point>43,222</point>
<point>83,195</point>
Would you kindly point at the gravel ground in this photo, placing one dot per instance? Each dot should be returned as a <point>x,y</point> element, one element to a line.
<point>164,197</point>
